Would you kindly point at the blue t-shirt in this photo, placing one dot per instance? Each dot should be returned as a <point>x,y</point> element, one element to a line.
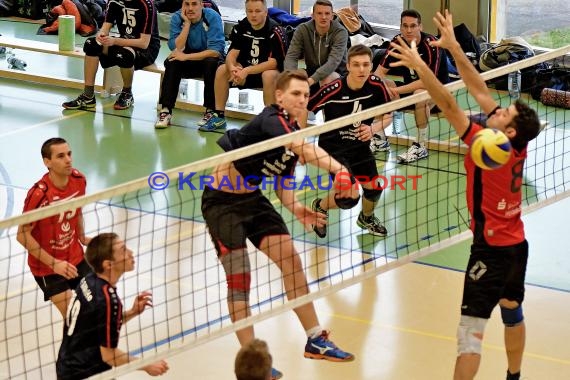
<point>206,34</point>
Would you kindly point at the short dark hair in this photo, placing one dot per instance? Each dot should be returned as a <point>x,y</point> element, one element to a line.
<point>261,1</point>
<point>411,13</point>
<point>253,361</point>
<point>526,124</point>
<point>46,146</point>
<point>100,248</point>
<point>283,79</point>
<point>323,2</point>
<point>358,49</point>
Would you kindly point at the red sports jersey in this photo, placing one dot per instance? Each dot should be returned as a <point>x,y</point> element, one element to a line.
<point>494,198</point>
<point>57,234</point>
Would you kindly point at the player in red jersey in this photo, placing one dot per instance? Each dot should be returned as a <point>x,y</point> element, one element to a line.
<point>496,270</point>
<point>55,243</point>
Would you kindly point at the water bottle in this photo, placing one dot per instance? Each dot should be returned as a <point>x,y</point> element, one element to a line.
<point>183,88</point>
<point>397,122</point>
<point>2,51</point>
<point>515,84</point>
<point>16,63</point>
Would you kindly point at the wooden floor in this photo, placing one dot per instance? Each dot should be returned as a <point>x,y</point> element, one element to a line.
<point>400,324</point>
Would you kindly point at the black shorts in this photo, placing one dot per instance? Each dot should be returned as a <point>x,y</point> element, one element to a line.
<point>143,58</point>
<point>360,162</point>
<point>493,273</point>
<point>251,81</point>
<point>233,218</point>
<point>54,284</point>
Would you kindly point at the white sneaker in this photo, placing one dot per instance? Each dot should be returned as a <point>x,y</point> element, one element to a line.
<point>163,120</point>
<point>378,144</point>
<point>414,153</point>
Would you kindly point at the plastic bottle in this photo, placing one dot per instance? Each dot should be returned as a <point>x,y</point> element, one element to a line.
<point>183,88</point>
<point>514,84</point>
<point>16,63</point>
<point>397,122</point>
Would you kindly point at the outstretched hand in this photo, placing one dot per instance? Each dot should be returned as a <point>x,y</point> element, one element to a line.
<point>310,218</point>
<point>142,300</point>
<point>445,25</point>
<point>406,55</point>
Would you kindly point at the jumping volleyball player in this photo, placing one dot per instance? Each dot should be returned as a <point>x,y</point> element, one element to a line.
<point>240,211</point>
<point>494,202</point>
<point>349,145</point>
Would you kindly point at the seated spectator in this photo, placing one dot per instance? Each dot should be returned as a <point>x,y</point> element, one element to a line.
<point>410,30</point>
<point>136,47</point>
<point>253,361</point>
<point>255,58</point>
<point>322,42</point>
<point>197,42</point>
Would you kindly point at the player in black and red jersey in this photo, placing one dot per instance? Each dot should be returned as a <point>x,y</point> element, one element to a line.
<point>95,316</point>
<point>54,244</point>
<point>255,58</point>
<point>411,30</point>
<point>349,145</point>
<point>235,209</point>
<point>496,270</point>
<point>136,47</point>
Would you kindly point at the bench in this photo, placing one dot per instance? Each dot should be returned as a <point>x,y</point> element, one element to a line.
<point>112,81</point>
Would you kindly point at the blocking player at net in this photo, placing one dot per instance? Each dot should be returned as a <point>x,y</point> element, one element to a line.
<point>95,316</point>
<point>255,58</point>
<point>54,244</point>
<point>234,211</point>
<point>494,202</point>
<point>350,94</point>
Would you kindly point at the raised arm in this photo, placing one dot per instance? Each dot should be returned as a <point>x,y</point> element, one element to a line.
<point>473,81</point>
<point>409,57</point>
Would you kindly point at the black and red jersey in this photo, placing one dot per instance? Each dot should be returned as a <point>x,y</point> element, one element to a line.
<point>94,319</point>
<point>433,56</point>
<point>494,198</point>
<point>133,18</point>
<point>336,99</point>
<point>271,122</point>
<point>257,46</point>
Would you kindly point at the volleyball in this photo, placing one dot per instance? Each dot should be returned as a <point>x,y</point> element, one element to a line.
<point>490,149</point>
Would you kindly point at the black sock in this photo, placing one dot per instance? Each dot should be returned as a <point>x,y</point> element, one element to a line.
<point>127,90</point>
<point>89,91</point>
<point>219,113</point>
<point>513,376</point>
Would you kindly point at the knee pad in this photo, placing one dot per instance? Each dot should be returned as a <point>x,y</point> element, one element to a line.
<point>122,57</point>
<point>346,203</point>
<point>470,335</point>
<point>238,274</point>
<point>371,194</point>
<point>512,317</point>
<point>91,48</point>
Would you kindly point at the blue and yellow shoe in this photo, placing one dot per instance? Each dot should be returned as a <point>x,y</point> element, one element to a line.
<point>213,123</point>
<point>322,348</point>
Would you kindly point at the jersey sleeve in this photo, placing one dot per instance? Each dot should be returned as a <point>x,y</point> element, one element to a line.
<point>431,54</point>
<point>318,101</point>
<point>35,197</point>
<point>236,37</point>
<point>147,18</point>
<point>215,33</point>
<point>381,95</point>
<point>470,132</point>
<point>278,43</point>
<point>275,125</point>
<point>110,317</point>
<point>113,12</point>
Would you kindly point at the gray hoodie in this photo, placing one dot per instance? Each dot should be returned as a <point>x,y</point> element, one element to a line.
<point>323,55</point>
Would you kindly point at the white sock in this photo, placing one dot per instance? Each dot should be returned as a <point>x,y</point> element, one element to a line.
<point>314,332</point>
<point>422,136</point>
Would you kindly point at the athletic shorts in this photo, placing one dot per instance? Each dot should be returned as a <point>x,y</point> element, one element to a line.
<point>359,162</point>
<point>143,58</point>
<point>233,218</point>
<point>54,284</point>
<point>493,273</point>
<point>251,81</point>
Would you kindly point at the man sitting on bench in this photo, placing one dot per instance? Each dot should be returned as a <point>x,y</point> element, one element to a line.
<point>256,54</point>
<point>136,47</point>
